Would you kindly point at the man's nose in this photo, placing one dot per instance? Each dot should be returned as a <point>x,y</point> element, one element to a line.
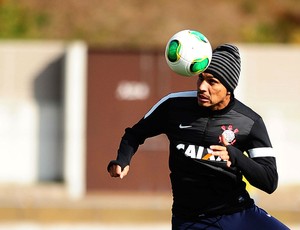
<point>202,86</point>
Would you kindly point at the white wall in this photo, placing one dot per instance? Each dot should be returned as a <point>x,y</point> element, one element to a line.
<point>270,84</point>
<point>24,71</point>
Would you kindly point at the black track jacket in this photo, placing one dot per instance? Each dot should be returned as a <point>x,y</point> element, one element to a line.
<point>202,184</point>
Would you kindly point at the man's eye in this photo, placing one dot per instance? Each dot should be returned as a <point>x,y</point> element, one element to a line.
<point>212,81</point>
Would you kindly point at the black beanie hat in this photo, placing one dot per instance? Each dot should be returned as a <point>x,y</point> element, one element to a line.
<point>225,65</point>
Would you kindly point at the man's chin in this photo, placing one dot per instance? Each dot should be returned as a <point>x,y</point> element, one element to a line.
<point>204,104</point>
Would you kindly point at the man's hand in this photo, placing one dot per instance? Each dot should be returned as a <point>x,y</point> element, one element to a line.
<point>116,171</point>
<point>221,151</point>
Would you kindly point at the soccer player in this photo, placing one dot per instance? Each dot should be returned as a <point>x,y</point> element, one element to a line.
<point>209,131</point>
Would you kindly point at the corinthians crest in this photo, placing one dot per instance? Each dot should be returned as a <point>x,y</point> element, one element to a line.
<point>229,134</point>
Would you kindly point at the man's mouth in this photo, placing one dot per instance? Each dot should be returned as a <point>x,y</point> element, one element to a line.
<point>203,98</point>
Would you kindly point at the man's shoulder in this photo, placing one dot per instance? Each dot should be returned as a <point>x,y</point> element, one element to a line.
<point>186,99</point>
<point>175,96</point>
<point>182,94</point>
<point>178,96</point>
<point>245,110</point>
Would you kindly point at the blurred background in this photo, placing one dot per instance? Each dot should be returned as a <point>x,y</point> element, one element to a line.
<point>75,74</point>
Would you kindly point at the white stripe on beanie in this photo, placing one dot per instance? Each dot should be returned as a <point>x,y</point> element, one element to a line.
<point>226,65</point>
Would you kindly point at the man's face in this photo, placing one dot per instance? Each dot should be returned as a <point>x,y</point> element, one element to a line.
<point>211,92</point>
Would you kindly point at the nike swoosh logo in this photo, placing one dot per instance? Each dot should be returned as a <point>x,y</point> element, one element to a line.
<point>184,126</point>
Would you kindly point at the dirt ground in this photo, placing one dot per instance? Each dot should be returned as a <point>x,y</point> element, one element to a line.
<point>48,207</point>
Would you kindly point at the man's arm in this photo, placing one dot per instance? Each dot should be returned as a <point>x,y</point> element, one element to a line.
<point>261,172</point>
<point>128,146</point>
<point>260,167</point>
<point>151,125</point>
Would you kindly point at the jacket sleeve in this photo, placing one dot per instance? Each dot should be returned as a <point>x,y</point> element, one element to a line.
<point>259,167</point>
<point>152,124</point>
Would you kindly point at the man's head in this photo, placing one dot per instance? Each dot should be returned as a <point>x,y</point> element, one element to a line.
<point>226,65</point>
<point>216,85</point>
